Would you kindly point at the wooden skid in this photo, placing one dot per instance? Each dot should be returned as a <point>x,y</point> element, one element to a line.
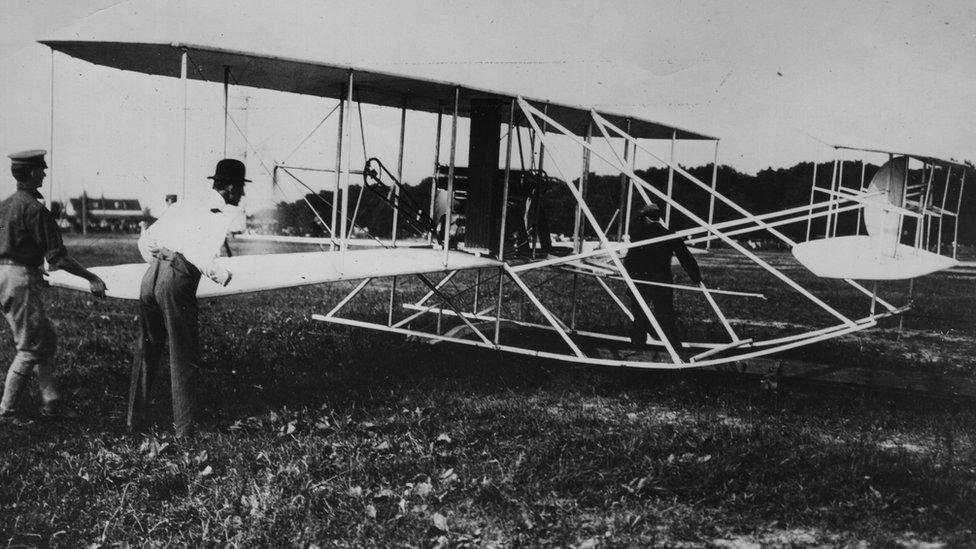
<point>581,347</point>
<point>773,371</point>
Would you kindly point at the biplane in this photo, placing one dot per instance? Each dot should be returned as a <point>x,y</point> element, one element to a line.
<point>484,232</point>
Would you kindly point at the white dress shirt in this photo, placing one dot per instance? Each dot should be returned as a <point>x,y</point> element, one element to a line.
<point>195,229</point>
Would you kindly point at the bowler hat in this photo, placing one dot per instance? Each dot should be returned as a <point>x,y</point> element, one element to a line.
<point>34,158</point>
<point>229,170</point>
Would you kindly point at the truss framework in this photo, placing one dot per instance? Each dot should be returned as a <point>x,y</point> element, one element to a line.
<point>471,322</point>
<point>922,203</point>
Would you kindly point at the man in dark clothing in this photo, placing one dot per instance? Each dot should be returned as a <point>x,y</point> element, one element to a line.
<point>29,235</point>
<point>652,263</point>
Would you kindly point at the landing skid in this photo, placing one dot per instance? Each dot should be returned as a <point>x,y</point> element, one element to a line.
<point>439,316</point>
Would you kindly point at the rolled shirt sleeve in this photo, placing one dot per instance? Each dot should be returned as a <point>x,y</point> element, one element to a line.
<point>194,231</point>
<point>211,230</point>
<point>146,244</point>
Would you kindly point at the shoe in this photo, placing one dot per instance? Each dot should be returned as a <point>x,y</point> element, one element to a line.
<point>14,419</point>
<point>57,411</point>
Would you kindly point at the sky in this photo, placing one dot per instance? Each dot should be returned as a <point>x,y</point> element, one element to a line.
<point>772,79</point>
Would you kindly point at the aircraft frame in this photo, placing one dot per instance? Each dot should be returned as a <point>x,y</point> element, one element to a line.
<point>481,326</point>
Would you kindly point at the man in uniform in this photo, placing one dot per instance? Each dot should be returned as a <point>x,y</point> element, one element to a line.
<point>29,235</point>
<point>652,263</point>
<point>180,247</point>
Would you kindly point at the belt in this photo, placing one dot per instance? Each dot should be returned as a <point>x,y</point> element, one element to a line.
<point>176,259</point>
<point>165,254</point>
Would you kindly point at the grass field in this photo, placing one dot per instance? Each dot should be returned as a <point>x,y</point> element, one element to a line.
<point>318,435</point>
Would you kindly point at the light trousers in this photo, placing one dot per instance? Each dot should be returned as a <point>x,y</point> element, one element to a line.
<point>21,290</point>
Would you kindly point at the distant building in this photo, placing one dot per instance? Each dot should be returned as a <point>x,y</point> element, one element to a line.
<point>105,214</point>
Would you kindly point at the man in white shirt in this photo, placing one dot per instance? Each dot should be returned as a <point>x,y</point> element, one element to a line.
<point>180,247</point>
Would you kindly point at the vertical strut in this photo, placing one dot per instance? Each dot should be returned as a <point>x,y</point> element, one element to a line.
<point>624,184</point>
<point>945,194</point>
<point>630,187</point>
<point>347,149</point>
<point>667,210</point>
<point>183,66</point>
<point>830,209</point>
<point>396,188</point>
<point>904,202</point>
<point>389,318</point>
<point>226,106</point>
<point>711,197</point>
<point>498,304</point>
<point>840,184</point>
<point>813,189</point>
<point>338,173</point>
<point>433,179</point>
<point>578,217</point>
<point>477,290</point>
<point>450,177</point>
<point>508,169</point>
<point>857,226</point>
<point>955,237</point>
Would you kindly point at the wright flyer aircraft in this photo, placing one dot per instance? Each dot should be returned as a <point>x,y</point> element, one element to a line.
<point>487,262</point>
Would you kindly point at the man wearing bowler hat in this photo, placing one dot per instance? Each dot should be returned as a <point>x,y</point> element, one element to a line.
<point>29,235</point>
<point>180,247</point>
<point>652,263</point>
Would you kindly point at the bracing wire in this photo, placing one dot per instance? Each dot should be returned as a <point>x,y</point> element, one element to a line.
<point>230,117</point>
<point>299,181</point>
<point>311,133</point>
<point>329,204</point>
<point>362,134</point>
<point>276,187</point>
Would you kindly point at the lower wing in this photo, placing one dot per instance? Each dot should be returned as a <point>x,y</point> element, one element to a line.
<point>254,273</point>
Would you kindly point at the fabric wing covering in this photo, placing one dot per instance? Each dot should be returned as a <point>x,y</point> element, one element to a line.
<point>860,258</point>
<point>886,189</point>
<point>253,273</point>
<point>323,79</point>
<point>878,255</point>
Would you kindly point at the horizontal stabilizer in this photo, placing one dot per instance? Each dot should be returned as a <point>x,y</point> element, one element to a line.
<point>862,258</point>
<point>254,273</point>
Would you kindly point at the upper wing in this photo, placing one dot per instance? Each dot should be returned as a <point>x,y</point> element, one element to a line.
<point>253,273</point>
<point>324,79</point>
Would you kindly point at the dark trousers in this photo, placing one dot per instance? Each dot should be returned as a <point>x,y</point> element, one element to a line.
<point>661,300</point>
<point>168,314</point>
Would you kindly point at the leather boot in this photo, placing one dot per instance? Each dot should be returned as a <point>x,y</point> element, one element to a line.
<point>15,384</point>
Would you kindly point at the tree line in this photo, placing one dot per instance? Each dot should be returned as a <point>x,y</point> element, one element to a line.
<point>767,191</point>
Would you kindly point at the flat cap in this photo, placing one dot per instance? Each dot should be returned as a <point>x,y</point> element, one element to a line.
<point>33,157</point>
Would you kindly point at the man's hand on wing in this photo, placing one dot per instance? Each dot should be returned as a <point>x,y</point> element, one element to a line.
<point>97,286</point>
<point>220,275</point>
